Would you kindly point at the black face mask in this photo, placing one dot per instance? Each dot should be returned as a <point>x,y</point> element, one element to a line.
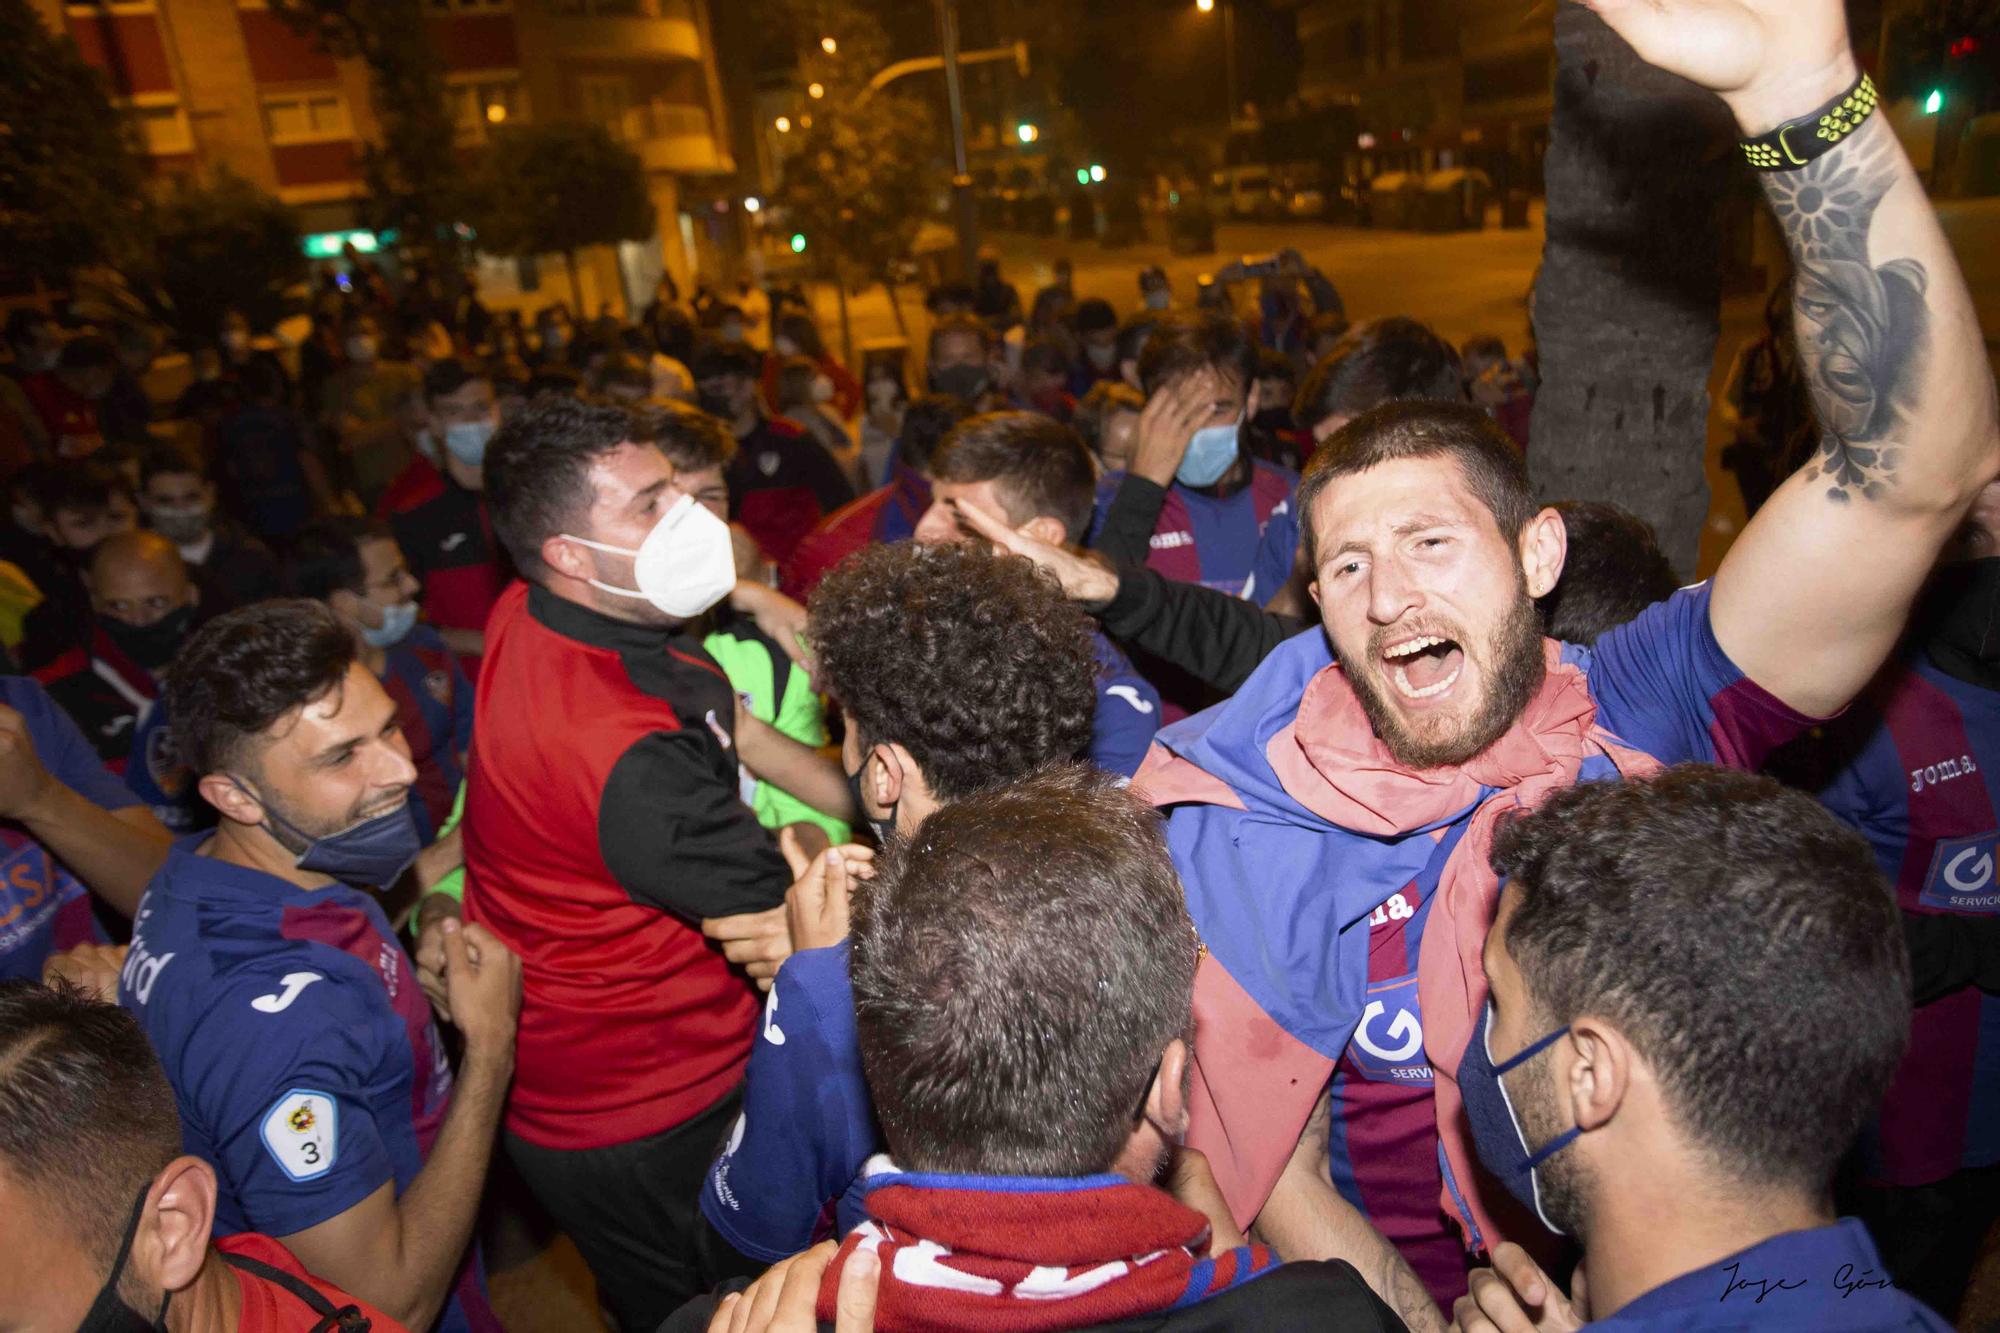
<point>1958,621</point>
<point>109,1313</point>
<point>151,646</point>
<point>960,381</point>
<point>883,829</point>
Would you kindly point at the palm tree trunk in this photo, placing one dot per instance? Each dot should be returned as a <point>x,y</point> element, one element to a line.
<point>1626,304</point>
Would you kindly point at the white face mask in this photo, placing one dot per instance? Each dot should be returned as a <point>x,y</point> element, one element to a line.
<point>822,389</point>
<point>686,564</point>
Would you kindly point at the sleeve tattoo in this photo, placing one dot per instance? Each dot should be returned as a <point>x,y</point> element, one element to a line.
<point>1861,328</point>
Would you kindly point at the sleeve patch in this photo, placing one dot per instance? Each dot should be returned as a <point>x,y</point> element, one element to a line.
<point>301,1132</point>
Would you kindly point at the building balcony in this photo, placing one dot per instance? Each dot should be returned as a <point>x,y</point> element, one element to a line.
<point>675,137</point>
<point>620,29</point>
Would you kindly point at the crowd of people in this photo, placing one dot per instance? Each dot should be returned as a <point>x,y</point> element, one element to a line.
<point>1151,824</point>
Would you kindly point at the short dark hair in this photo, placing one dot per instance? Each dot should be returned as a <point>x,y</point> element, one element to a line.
<point>973,662</point>
<point>1386,361</point>
<point>1740,936</point>
<point>1094,314</point>
<point>537,470</point>
<point>1019,967</point>
<point>713,357</point>
<point>927,419</point>
<point>1105,400</point>
<point>1485,454</point>
<point>24,322</point>
<point>87,1117</point>
<point>165,461</point>
<point>557,380</point>
<point>242,671</point>
<point>692,440</point>
<point>1614,570</point>
<point>802,329</point>
<point>1274,365</point>
<point>1040,466</point>
<point>1187,341</point>
<point>263,379</point>
<point>1135,333</point>
<point>325,557</point>
<point>970,325</point>
<point>452,374</point>
<point>92,351</point>
<point>81,485</point>
<point>621,370</point>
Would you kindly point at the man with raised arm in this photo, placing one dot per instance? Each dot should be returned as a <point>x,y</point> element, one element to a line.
<point>1331,822</point>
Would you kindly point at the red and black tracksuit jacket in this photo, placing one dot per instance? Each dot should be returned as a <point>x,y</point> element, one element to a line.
<point>603,822</point>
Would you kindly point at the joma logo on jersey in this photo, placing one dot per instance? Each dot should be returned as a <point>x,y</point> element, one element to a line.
<point>1930,775</point>
<point>1961,877</point>
<point>1169,541</point>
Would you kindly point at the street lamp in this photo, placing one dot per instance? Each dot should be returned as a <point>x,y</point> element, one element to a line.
<point>784,124</point>
<point>815,91</point>
<point>1228,51</point>
<point>1096,173</point>
<point>1027,133</point>
<point>828,45</point>
<point>752,204</point>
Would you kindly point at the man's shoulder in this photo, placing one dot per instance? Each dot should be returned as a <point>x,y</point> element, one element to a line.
<point>1321,1295</point>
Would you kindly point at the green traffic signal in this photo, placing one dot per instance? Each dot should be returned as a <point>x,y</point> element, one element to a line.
<point>798,242</point>
<point>1935,102</point>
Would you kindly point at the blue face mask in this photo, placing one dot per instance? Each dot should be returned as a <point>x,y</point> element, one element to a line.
<point>1497,1135</point>
<point>397,622</point>
<point>370,855</point>
<point>467,441</point>
<point>1209,454</point>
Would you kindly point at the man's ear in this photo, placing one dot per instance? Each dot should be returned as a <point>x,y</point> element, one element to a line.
<point>1047,528</point>
<point>346,604</point>
<point>193,594</point>
<point>893,768</point>
<point>172,1244</point>
<point>230,800</point>
<point>1544,547</point>
<point>1251,399</point>
<point>1600,1074</point>
<point>565,557</point>
<point>1128,370</point>
<point>1166,1101</point>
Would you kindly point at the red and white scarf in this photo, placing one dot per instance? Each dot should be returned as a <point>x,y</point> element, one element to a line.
<point>1017,1255</point>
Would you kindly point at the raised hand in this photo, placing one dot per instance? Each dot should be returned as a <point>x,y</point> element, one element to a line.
<point>1084,578</point>
<point>1771,60</point>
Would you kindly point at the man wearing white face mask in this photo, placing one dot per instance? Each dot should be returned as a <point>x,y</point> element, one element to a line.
<point>356,567</point>
<point>438,513</point>
<point>232,567</point>
<point>603,825</point>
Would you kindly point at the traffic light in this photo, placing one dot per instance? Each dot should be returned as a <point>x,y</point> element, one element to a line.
<point>1935,102</point>
<point>798,242</point>
<point>1096,172</point>
<point>1027,133</point>
<point>1083,175</point>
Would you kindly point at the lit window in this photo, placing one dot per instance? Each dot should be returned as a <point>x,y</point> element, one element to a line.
<point>306,118</point>
<point>162,128</point>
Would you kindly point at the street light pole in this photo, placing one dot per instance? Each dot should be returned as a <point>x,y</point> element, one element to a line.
<point>1229,60</point>
<point>963,206</point>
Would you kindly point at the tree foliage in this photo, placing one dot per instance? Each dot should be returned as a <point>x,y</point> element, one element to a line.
<point>415,186</point>
<point>69,179</point>
<point>865,173</point>
<point>557,187</point>
<point>216,247</point>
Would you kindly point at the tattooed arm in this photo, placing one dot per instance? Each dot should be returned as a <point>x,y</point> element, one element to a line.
<point>1815,592</point>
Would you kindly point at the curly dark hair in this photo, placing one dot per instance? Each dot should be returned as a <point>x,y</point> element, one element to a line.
<point>537,470</point>
<point>1186,341</point>
<point>974,662</point>
<point>242,671</point>
<point>1739,936</point>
